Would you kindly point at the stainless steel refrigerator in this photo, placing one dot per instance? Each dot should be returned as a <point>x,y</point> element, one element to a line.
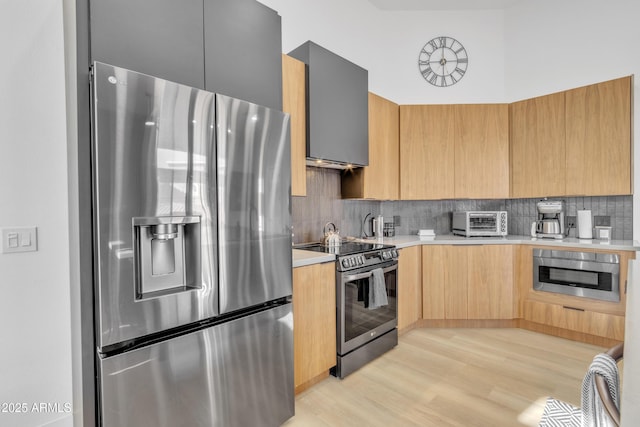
<point>192,255</point>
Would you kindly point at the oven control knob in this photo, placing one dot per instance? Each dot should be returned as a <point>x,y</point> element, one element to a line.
<point>351,262</point>
<point>361,259</point>
<point>395,253</point>
<point>345,263</point>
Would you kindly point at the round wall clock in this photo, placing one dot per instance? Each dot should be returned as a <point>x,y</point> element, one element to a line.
<point>443,61</point>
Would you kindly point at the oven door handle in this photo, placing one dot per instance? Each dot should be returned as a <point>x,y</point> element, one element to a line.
<point>368,274</point>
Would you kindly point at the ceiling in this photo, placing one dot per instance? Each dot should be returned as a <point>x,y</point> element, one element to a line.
<point>442,4</point>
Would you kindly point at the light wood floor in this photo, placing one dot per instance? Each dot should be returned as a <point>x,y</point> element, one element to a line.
<point>452,377</point>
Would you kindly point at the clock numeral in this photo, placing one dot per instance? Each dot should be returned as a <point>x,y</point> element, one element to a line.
<point>426,72</point>
<point>433,78</point>
<point>453,79</point>
<point>459,71</point>
<point>463,60</point>
<point>443,42</point>
<point>444,81</point>
<point>460,50</point>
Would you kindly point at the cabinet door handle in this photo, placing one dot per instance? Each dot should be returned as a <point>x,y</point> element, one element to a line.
<point>572,308</point>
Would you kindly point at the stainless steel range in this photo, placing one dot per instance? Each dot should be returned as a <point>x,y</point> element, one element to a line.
<point>366,302</point>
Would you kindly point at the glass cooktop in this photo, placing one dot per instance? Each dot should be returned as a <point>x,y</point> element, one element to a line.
<point>346,248</point>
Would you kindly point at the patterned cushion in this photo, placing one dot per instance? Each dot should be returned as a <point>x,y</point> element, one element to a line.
<point>560,414</point>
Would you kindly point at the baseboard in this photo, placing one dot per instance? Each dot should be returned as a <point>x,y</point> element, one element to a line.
<point>313,381</point>
<point>514,323</point>
<point>567,334</point>
<point>468,323</point>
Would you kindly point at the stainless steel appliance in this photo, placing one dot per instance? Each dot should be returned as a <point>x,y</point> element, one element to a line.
<point>480,223</point>
<point>551,220</point>
<point>192,244</point>
<point>367,327</point>
<point>583,274</point>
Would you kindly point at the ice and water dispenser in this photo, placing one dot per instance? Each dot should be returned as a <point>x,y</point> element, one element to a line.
<point>167,258</point>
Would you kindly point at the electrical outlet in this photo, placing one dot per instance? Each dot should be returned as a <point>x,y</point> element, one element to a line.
<point>396,220</point>
<point>571,221</point>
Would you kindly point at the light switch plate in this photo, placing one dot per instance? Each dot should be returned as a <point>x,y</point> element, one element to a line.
<point>19,239</point>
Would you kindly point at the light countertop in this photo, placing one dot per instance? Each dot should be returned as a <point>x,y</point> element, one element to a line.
<point>302,257</point>
<point>572,242</point>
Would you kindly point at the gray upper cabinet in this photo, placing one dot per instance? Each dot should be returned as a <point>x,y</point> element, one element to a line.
<point>232,47</point>
<point>243,48</point>
<point>337,106</point>
<point>162,38</point>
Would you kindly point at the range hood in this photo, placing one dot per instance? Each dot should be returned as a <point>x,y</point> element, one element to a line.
<point>337,108</point>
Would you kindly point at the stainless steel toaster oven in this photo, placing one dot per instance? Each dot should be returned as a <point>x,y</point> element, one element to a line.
<point>480,223</point>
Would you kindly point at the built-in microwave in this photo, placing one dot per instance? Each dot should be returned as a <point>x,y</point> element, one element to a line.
<point>480,223</point>
<point>581,274</point>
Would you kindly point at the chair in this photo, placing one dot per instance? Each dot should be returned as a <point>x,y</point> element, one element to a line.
<point>603,390</point>
<point>559,413</point>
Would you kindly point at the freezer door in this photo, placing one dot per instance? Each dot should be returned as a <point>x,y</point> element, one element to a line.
<point>254,201</point>
<point>154,204</point>
<point>239,373</point>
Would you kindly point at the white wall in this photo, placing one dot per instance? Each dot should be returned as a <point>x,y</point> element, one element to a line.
<point>388,43</point>
<point>35,360</point>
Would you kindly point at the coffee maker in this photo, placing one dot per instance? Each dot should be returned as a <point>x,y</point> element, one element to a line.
<point>550,223</point>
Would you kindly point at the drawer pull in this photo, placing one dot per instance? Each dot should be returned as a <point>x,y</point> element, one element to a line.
<point>572,308</point>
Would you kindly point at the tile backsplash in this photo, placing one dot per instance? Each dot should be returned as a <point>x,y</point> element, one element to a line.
<point>323,204</point>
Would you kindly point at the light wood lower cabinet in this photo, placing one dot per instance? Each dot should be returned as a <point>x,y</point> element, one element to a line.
<point>314,323</point>
<point>582,315</point>
<point>490,278</point>
<point>467,282</point>
<point>575,319</point>
<point>409,287</point>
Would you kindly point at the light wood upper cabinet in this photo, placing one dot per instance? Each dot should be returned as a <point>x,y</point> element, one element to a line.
<point>573,143</point>
<point>598,138</point>
<point>314,317</point>
<point>294,103</point>
<point>454,151</point>
<point>409,287</point>
<point>426,152</point>
<point>538,147</point>
<point>380,179</point>
<point>482,151</point>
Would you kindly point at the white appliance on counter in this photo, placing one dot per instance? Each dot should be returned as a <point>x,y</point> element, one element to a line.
<point>585,225</point>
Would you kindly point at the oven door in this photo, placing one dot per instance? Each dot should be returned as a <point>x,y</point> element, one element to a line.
<point>357,323</point>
